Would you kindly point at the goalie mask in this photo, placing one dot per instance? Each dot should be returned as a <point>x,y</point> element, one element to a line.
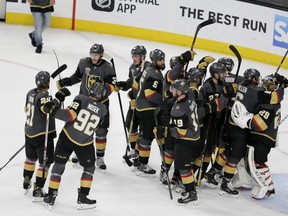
<point>269,83</point>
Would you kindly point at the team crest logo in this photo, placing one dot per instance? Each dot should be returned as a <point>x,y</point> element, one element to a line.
<point>103,5</point>
<point>90,78</point>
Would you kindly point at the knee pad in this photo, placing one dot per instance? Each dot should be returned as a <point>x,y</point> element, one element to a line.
<point>58,169</point>
<point>90,170</point>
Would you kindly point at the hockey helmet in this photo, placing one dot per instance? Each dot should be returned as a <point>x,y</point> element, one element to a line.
<point>138,50</point>
<point>269,82</point>
<point>251,73</point>
<point>156,55</point>
<point>180,85</point>
<point>97,90</point>
<point>227,62</point>
<point>194,74</point>
<point>42,79</point>
<point>216,68</point>
<point>97,48</point>
<point>173,61</point>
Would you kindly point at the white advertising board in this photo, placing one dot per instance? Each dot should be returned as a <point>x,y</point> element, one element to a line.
<point>247,25</point>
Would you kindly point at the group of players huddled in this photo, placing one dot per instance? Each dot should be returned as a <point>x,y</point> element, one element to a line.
<point>199,122</point>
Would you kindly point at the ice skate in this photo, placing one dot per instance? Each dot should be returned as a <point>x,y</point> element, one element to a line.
<point>145,171</point>
<point>84,202</point>
<point>49,199</point>
<point>227,189</point>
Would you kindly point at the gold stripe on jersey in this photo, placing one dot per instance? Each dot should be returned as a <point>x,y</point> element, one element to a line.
<point>39,134</point>
<point>149,93</point>
<point>72,113</point>
<point>258,121</point>
<point>76,143</point>
<point>275,99</point>
<point>188,178</point>
<point>264,135</point>
<point>135,85</point>
<point>146,109</point>
<point>86,182</point>
<point>181,132</point>
<point>29,166</point>
<point>190,138</point>
<point>54,183</point>
<point>217,100</point>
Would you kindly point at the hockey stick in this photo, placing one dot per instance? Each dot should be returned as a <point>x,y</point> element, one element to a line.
<point>58,71</point>
<point>16,153</point>
<point>56,60</point>
<point>283,120</point>
<point>129,163</point>
<point>201,25</point>
<point>239,58</point>
<point>226,114</point>
<point>281,62</point>
<point>125,156</point>
<point>156,113</point>
<point>203,151</point>
<point>53,75</point>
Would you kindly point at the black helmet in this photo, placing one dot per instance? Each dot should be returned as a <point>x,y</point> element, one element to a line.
<point>269,82</point>
<point>227,62</point>
<point>138,50</point>
<point>194,74</point>
<point>97,90</point>
<point>97,48</point>
<point>42,79</point>
<point>216,67</point>
<point>173,61</point>
<point>180,85</point>
<point>251,73</point>
<point>156,55</point>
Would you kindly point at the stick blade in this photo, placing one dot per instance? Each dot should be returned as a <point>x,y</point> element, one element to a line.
<point>207,22</point>
<point>58,71</point>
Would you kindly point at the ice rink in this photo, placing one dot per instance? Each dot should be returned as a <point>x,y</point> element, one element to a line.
<point>119,191</point>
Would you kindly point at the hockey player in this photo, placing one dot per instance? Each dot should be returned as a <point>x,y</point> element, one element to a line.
<point>88,70</point>
<point>250,95</point>
<point>135,71</point>
<point>186,134</point>
<point>262,137</point>
<point>148,99</point>
<point>82,118</point>
<point>162,132</point>
<point>214,102</point>
<point>35,130</point>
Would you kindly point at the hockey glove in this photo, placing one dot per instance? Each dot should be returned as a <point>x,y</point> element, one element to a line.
<point>121,85</point>
<point>51,107</point>
<point>210,107</point>
<point>132,104</point>
<point>160,133</point>
<point>63,82</point>
<point>61,94</point>
<point>186,57</point>
<point>230,90</point>
<point>130,95</point>
<point>204,62</point>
